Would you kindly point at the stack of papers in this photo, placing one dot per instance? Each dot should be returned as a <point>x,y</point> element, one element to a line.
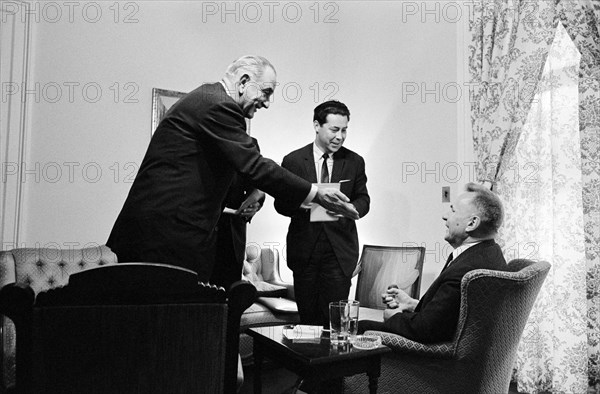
<point>303,333</point>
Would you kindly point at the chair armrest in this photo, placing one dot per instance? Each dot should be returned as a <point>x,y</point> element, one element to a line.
<point>400,344</point>
<point>16,301</point>
<point>241,295</point>
<point>289,286</point>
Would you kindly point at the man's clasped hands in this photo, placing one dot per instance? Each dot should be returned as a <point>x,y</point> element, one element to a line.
<point>397,301</point>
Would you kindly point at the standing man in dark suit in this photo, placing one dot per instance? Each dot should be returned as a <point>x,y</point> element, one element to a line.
<point>473,222</point>
<point>323,255</point>
<point>176,198</point>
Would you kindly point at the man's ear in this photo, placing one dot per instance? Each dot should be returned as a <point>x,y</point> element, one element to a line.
<point>316,125</point>
<point>473,224</point>
<point>244,79</point>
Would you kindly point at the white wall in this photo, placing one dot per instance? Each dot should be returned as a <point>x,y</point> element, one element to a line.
<point>370,52</point>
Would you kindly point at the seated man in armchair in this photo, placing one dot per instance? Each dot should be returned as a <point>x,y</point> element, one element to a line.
<point>472,221</point>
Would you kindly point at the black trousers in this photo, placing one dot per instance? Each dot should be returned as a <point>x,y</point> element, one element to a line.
<point>229,251</point>
<point>320,282</point>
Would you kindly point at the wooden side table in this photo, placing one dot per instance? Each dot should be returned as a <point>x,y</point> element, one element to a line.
<point>313,359</point>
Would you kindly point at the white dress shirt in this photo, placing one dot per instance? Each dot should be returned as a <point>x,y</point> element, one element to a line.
<point>456,252</point>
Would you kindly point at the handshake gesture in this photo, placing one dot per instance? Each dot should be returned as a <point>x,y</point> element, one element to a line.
<point>336,203</point>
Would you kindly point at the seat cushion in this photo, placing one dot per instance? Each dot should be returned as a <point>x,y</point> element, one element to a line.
<point>264,289</point>
<point>258,315</point>
<point>279,305</point>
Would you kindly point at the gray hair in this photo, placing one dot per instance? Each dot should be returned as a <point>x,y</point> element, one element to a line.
<point>251,64</point>
<point>489,207</point>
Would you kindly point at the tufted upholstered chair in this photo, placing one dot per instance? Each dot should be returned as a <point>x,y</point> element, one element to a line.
<point>269,309</point>
<point>495,306</point>
<point>272,306</point>
<point>130,327</point>
<point>41,269</point>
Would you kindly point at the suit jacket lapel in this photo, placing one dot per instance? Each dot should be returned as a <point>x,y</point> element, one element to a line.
<point>309,163</point>
<point>339,161</point>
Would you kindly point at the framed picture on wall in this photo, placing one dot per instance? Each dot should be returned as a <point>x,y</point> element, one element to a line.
<point>162,100</point>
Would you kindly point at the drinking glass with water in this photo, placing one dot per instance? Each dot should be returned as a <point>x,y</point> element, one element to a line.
<point>352,307</point>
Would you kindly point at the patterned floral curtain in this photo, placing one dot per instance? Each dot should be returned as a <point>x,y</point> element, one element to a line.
<point>510,42</point>
<point>536,130</point>
<point>581,20</point>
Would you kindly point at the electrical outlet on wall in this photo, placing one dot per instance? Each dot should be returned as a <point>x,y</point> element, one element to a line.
<point>445,193</point>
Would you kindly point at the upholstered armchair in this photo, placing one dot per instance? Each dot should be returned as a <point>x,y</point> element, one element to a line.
<point>495,306</point>
<point>274,304</point>
<point>129,327</point>
<point>41,269</point>
<point>114,309</point>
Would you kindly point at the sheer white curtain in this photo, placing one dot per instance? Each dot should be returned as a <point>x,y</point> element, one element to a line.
<point>542,190</point>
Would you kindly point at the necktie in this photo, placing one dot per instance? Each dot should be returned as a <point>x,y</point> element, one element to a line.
<point>325,169</point>
<point>448,261</point>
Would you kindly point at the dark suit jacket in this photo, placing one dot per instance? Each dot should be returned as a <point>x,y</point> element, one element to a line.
<point>231,235</point>
<point>436,315</point>
<point>176,199</point>
<point>302,234</point>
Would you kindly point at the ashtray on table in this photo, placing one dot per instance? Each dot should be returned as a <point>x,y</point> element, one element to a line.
<point>365,342</point>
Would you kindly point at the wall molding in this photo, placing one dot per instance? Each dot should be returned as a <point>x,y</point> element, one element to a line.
<point>14,71</point>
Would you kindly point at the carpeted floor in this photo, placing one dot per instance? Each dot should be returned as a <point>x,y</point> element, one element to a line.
<point>277,380</point>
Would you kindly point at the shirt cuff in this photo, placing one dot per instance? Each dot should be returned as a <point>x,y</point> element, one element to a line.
<point>307,203</point>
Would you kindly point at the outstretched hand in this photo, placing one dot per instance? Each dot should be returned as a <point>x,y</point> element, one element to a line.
<point>251,205</point>
<point>335,201</point>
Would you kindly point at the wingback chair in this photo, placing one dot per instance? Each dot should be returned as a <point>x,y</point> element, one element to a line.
<point>495,306</point>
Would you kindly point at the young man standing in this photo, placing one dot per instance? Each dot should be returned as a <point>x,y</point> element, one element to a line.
<point>324,254</point>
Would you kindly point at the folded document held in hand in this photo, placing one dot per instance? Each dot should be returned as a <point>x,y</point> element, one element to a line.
<point>317,212</point>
